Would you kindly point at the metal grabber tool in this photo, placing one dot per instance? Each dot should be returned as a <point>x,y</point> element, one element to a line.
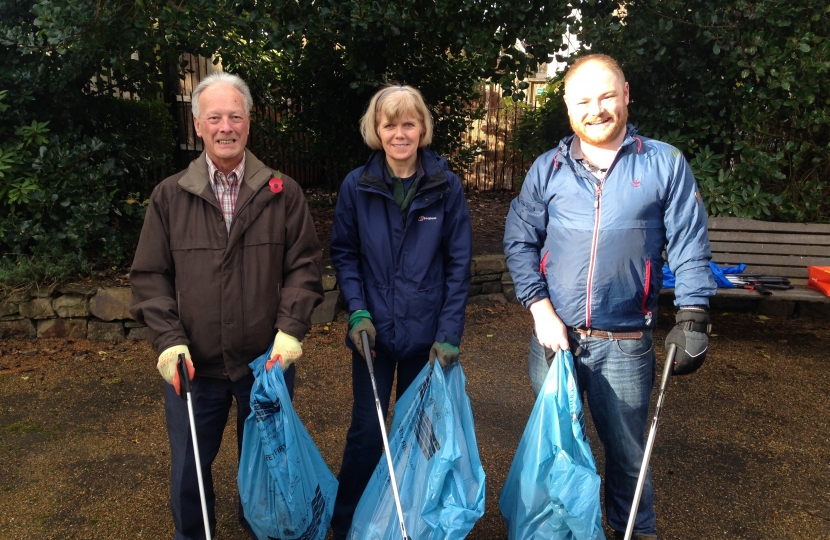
<point>184,380</point>
<point>641,480</point>
<point>368,354</point>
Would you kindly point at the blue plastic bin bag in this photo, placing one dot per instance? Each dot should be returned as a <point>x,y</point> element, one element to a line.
<point>287,490</point>
<point>718,272</point>
<point>437,466</point>
<point>552,489</point>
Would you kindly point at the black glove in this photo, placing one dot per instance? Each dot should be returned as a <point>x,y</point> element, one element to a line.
<point>690,337</point>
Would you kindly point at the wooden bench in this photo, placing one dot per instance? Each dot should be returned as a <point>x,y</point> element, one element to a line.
<point>775,249</point>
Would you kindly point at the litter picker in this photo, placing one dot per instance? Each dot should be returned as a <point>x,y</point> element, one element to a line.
<point>368,354</point>
<point>759,282</point>
<point>641,480</point>
<point>185,387</point>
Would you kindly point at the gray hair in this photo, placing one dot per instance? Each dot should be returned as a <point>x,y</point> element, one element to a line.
<point>222,77</point>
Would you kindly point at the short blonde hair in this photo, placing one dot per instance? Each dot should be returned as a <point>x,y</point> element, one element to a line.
<point>395,101</point>
<point>603,59</point>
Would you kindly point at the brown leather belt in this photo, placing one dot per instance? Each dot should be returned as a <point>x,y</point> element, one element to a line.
<point>604,334</point>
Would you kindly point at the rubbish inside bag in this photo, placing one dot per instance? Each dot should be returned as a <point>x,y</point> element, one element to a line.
<point>287,490</point>
<point>552,489</point>
<point>440,478</point>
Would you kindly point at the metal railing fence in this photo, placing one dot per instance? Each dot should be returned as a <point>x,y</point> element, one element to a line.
<point>491,164</point>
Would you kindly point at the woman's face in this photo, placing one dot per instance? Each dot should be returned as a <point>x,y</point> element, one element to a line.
<point>400,139</point>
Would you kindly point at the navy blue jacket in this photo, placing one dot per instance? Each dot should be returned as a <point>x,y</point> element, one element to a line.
<point>412,275</point>
<point>595,248</point>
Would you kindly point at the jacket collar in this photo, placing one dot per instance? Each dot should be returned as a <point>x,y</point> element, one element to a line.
<point>248,204</point>
<point>565,144</point>
<point>196,179</point>
<point>434,167</point>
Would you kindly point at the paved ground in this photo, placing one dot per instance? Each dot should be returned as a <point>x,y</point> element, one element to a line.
<point>743,449</point>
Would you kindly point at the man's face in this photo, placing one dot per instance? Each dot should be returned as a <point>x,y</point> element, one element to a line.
<point>223,125</point>
<point>597,101</point>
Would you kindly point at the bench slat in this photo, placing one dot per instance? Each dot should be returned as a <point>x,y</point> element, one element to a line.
<point>779,260</point>
<point>772,249</point>
<point>798,294</point>
<point>792,272</point>
<point>770,238</point>
<point>742,224</point>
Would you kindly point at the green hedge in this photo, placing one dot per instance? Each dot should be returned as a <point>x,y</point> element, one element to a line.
<point>739,86</point>
<point>76,200</point>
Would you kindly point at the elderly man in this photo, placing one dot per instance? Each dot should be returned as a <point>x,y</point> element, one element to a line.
<point>228,264</point>
<point>584,243</point>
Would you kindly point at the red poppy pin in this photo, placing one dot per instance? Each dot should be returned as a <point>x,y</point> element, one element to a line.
<point>275,184</point>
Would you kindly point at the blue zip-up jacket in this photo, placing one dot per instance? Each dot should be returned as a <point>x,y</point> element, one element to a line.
<point>414,276</point>
<point>595,248</point>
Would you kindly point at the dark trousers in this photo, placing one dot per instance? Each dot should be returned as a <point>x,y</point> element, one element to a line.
<point>212,400</point>
<point>364,442</point>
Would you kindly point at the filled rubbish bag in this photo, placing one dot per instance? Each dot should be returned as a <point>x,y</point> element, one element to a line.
<point>552,489</point>
<point>287,490</point>
<point>437,465</point>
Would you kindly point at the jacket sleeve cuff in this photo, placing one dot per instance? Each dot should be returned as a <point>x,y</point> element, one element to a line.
<point>541,295</point>
<point>292,327</point>
<point>169,339</point>
<point>443,337</point>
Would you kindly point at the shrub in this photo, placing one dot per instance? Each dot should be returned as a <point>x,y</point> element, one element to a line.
<point>738,86</point>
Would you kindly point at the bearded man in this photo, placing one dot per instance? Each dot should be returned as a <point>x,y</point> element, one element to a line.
<point>584,243</point>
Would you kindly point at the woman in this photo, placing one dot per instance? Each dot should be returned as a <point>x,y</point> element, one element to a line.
<point>401,248</point>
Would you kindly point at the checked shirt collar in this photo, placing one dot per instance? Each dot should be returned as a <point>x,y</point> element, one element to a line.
<point>226,188</point>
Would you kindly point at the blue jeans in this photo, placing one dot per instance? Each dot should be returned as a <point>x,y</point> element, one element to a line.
<point>364,442</point>
<point>617,377</point>
<point>212,400</point>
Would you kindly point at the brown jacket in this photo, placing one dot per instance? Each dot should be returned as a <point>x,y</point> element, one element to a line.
<point>225,296</point>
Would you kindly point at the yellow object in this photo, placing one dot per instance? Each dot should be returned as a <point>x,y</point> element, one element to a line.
<point>288,347</point>
<point>168,359</point>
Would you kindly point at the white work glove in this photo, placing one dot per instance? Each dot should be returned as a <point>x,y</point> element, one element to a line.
<point>550,330</point>
<point>169,359</point>
<point>287,349</point>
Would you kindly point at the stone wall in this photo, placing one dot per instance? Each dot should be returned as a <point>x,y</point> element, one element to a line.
<point>100,313</point>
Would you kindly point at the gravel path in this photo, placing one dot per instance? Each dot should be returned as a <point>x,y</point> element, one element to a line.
<point>743,449</point>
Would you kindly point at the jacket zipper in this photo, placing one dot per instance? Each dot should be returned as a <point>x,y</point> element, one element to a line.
<point>593,259</point>
<point>592,263</point>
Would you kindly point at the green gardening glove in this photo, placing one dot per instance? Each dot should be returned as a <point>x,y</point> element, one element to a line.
<point>446,353</point>
<point>361,321</point>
